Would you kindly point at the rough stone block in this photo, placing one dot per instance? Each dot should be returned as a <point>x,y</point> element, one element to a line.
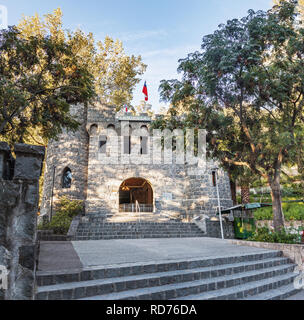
<point>28,161</point>
<point>3,222</point>
<point>4,153</point>
<point>27,256</point>
<point>55,295</point>
<point>5,256</point>
<point>32,194</point>
<point>79,293</point>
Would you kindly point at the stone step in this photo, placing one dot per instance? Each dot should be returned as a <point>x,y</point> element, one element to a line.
<point>138,229</point>
<point>134,230</point>
<point>133,237</point>
<point>245,291</point>
<point>45,232</point>
<point>140,234</point>
<point>101,228</point>
<point>122,232</point>
<point>170,284</point>
<point>242,262</point>
<point>280,293</point>
<point>54,238</point>
<point>138,220</point>
<point>152,224</point>
<point>244,283</point>
<point>136,225</point>
<point>130,237</point>
<point>198,231</point>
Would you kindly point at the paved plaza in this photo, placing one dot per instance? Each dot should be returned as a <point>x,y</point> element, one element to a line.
<point>77,254</point>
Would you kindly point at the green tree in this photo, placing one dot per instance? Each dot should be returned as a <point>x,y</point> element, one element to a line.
<point>39,79</point>
<point>299,6</point>
<point>250,73</point>
<point>116,74</point>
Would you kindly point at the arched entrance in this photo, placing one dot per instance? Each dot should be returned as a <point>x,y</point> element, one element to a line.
<point>135,194</point>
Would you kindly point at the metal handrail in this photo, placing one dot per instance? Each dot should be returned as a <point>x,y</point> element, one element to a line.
<point>137,206</point>
<point>131,207</point>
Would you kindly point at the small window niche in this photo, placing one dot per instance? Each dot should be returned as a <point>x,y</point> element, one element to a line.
<point>67,178</point>
<point>111,130</point>
<point>103,144</point>
<point>93,130</point>
<point>144,140</point>
<point>214,178</point>
<point>127,142</point>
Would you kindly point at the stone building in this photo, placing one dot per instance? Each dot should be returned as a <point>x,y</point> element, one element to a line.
<point>76,167</point>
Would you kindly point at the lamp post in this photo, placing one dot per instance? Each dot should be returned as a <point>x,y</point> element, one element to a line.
<point>52,195</point>
<point>218,201</point>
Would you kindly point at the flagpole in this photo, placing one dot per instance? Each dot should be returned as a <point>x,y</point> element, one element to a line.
<point>145,97</point>
<point>145,92</point>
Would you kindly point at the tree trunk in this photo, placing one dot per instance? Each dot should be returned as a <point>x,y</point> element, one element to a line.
<point>233,191</point>
<point>278,216</point>
<point>245,194</point>
<point>232,187</point>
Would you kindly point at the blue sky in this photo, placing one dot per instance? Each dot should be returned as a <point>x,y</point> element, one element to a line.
<point>161,31</point>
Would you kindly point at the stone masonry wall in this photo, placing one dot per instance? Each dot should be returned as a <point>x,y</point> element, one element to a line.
<point>70,151</point>
<point>104,180</point>
<point>295,252</point>
<point>175,191</point>
<point>19,196</point>
<point>202,194</point>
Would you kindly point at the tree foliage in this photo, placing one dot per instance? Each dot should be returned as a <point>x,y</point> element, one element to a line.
<point>39,79</point>
<point>116,74</point>
<point>299,7</point>
<point>249,82</point>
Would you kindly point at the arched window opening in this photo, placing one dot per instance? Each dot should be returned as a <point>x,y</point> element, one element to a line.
<point>214,178</point>
<point>93,129</point>
<point>144,140</point>
<point>111,130</point>
<point>174,143</point>
<point>127,142</point>
<point>135,194</point>
<point>67,178</point>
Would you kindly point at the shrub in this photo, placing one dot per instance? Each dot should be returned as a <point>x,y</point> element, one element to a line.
<point>263,214</point>
<point>292,212</point>
<point>295,190</point>
<point>66,210</point>
<point>264,234</point>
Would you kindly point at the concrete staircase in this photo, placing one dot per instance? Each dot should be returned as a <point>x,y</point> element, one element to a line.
<point>134,227</point>
<point>266,275</point>
<point>48,235</point>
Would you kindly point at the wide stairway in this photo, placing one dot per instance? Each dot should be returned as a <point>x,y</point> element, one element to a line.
<point>134,227</point>
<point>258,276</point>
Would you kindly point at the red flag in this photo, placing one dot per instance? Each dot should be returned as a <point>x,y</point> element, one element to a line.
<point>145,91</point>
